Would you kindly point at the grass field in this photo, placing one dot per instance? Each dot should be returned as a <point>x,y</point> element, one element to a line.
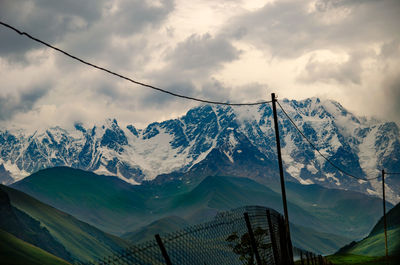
<point>15,251</point>
<point>352,259</point>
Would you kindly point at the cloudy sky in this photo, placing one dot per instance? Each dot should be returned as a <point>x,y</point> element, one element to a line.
<point>228,50</point>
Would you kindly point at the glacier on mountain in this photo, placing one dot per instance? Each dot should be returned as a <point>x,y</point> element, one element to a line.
<point>359,145</point>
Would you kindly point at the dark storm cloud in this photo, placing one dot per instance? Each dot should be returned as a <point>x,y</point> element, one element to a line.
<point>202,53</point>
<point>132,16</point>
<point>190,66</point>
<point>216,90</point>
<point>46,19</point>
<point>11,104</point>
<point>392,97</point>
<point>81,26</point>
<point>291,28</point>
<point>92,29</point>
<point>346,72</point>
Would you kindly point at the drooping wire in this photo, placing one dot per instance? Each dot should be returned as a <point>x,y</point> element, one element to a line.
<point>129,79</point>
<point>319,152</point>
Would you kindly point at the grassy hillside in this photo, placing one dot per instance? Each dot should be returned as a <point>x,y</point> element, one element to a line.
<point>28,229</point>
<point>83,241</point>
<point>117,207</point>
<point>315,241</point>
<point>163,225</point>
<point>14,251</point>
<point>104,201</point>
<point>347,213</point>
<point>372,248</point>
<point>351,259</point>
<point>374,243</point>
<point>393,221</point>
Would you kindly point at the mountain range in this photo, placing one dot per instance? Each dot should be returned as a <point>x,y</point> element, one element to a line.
<point>219,140</point>
<point>58,215</point>
<point>134,211</point>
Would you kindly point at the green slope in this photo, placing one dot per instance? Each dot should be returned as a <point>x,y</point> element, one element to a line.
<point>393,221</point>
<point>225,193</point>
<point>104,201</point>
<point>347,213</point>
<point>351,259</point>
<point>28,229</point>
<point>161,226</point>
<point>83,241</point>
<point>117,207</point>
<point>374,243</point>
<point>315,241</point>
<point>217,193</point>
<point>14,251</point>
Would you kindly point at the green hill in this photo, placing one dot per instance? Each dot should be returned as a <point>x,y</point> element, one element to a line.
<point>163,225</point>
<point>217,193</point>
<point>347,213</point>
<point>28,229</point>
<point>14,251</point>
<point>84,242</point>
<point>374,243</point>
<point>103,201</point>
<point>392,219</point>
<point>117,207</point>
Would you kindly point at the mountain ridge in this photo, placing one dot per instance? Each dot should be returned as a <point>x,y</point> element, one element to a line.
<point>232,135</point>
<point>118,207</point>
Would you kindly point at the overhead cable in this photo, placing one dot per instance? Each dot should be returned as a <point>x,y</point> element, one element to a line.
<point>316,149</point>
<point>129,79</point>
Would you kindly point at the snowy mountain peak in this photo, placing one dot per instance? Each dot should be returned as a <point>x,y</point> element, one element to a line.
<point>235,137</point>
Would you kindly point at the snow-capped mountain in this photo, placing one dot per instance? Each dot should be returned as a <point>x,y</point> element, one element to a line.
<point>225,140</point>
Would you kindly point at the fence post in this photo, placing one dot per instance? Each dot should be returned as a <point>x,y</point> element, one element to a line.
<point>321,261</point>
<point>252,239</point>
<point>301,258</point>
<point>283,242</point>
<point>272,237</point>
<point>163,250</point>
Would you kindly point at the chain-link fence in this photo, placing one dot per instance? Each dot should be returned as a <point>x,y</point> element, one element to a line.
<point>248,235</point>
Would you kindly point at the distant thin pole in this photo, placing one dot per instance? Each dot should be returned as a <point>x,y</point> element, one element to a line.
<point>384,214</point>
<point>163,250</point>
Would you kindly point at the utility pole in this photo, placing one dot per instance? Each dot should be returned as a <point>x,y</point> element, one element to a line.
<point>283,190</point>
<point>384,213</point>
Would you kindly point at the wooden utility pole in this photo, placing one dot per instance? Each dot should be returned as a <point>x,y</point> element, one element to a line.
<point>283,190</point>
<point>384,213</point>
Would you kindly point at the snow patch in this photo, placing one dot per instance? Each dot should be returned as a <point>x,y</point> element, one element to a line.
<point>331,176</point>
<point>232,140</point>
<point>373,192</point>
<point>229,157</point>
<point>312,169</point>
<point>103,171</point>
<point>16,173</point>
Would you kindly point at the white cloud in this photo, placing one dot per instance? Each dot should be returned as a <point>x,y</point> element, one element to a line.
<point>227,50</point>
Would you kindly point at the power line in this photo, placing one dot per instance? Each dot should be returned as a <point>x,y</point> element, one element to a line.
<point>129,79</point>
<point>392,173</point>
<point>316,149</point>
